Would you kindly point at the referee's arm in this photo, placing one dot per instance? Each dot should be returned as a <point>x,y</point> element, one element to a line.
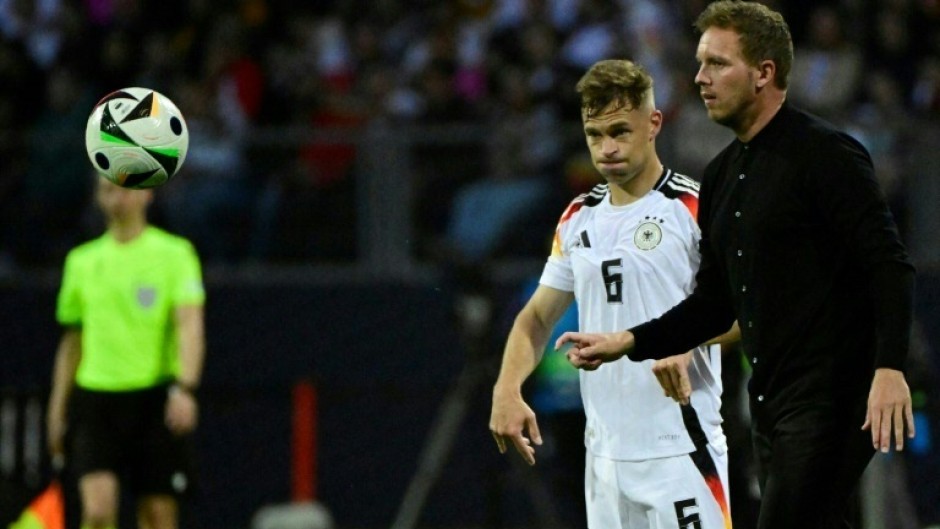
<point>182,410</point>
<point>190,323</point>
<point>67,356</point>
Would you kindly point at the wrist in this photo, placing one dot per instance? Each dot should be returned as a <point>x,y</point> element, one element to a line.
<point>888,372</point>
<point>626,343</point>
<point>507,390</point>
<point>183,387</point>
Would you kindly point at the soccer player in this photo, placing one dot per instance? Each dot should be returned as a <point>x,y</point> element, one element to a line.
<point>798,245</point>
<point>626,251</point>
<point>128,364</point>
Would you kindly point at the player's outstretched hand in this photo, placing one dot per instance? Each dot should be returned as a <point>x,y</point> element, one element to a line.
<point>673,375</point>
<point>889,410</point>
<point>511,418</point>
<point>590,350</point>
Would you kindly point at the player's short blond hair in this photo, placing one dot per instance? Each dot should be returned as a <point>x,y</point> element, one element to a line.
<point>614,81</point>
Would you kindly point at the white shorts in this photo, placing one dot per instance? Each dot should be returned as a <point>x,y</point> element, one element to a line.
<point>682,492</point>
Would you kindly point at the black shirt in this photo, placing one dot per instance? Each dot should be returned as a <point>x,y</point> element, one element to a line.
<point>799,245</point>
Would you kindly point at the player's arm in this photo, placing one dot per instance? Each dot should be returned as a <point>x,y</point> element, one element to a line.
<point>181,414</point>
<point>706,313</point>
<point>731,337</point>
<point>511,418</point>
<point>68,354</point>
<point>672,372</point>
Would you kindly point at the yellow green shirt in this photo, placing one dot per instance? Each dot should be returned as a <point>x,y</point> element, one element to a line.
<point>123,296</point>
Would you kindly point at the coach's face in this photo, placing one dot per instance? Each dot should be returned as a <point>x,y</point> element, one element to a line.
<point>621,140</point>
<point>727,83</point>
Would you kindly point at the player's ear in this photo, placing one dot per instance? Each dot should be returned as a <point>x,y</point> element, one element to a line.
<point>656,123</point>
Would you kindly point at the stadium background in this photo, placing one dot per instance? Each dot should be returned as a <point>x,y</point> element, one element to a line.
<point>337,148</point>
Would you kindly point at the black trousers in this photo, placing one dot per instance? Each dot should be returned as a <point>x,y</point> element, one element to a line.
<point>810,461</point>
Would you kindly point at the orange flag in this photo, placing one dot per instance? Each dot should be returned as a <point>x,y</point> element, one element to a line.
<point>46,511</point>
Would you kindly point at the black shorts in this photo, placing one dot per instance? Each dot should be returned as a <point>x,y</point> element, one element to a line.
<point>124,432</point>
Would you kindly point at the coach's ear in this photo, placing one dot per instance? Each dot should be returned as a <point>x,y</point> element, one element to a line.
<point>766,72</point>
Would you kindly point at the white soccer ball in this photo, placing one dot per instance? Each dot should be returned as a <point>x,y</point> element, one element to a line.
<point>136,138</point>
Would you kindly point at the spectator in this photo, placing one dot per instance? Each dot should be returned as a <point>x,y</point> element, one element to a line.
<point>56,187</point>
<point>891,47</point>
<point>210,198</point>
<point>826,78</point>
<point>519,181</point>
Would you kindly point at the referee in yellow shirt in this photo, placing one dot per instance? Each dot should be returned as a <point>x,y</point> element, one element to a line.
<point>129,361</point>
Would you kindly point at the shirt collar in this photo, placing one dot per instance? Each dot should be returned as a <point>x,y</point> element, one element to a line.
<point>662,178</point>
<point>772,131</point>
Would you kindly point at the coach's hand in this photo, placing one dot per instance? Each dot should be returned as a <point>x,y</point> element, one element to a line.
<point>889,409</point>
<point>673,375</point>
<point>589,350</point>
<point>182,411</point>
<point>510,420</point>
<point>573,354</point>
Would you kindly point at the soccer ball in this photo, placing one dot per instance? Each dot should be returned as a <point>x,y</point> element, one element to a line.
<point>136,138</point>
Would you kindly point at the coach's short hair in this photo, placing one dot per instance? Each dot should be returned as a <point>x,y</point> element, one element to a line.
<point>763,33</point>
<point>614,81</point>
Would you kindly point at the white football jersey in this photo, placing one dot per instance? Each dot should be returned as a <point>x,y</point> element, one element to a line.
<point>625,266</point>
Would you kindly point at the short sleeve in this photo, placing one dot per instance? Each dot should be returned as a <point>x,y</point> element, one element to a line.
<point>188,285</point>
<point>558,273</point>
<point>69,301</point>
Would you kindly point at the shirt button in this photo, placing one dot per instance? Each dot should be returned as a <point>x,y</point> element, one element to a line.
<point>740,253</point>
<point>741,176</point>
<point>750,324</point>
<point>754,360</point>
<point>737,213</point>
<point>760,398</point>
<point>744,288</point>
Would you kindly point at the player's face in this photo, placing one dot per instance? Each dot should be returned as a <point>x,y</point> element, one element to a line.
<point>621,140</point>
<point>119,203</point>
<point>726,81</point>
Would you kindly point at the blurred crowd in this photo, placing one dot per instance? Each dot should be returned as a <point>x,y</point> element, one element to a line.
<point>285,101</point>
<point>281,97</point>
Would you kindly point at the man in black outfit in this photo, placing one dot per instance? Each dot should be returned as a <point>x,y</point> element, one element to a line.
<point>799,246</point>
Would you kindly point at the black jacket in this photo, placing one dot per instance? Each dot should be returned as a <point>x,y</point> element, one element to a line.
<point>798,244</point>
